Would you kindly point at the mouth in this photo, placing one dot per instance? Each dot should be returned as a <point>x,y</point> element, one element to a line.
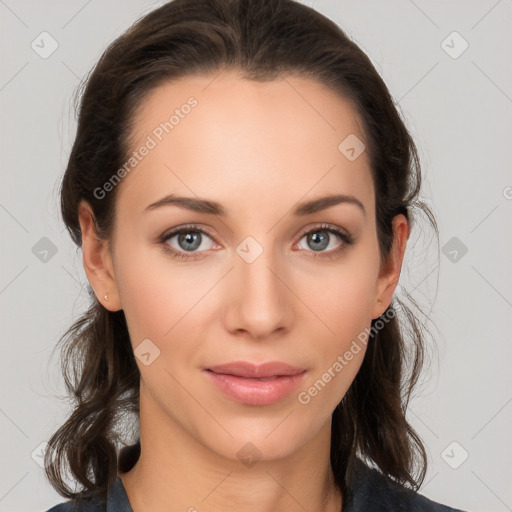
<point>261,379</point>
<point>250,370</point>
<point>252,384</point>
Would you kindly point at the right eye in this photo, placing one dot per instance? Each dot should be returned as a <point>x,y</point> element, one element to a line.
<point>188,240</point>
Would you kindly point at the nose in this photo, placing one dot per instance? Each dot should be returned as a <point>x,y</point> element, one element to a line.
<point>258,302</point>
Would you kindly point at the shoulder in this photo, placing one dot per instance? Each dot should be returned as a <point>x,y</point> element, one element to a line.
<point>117,501</point>
<point>373,491</point>
<point>70,506</point>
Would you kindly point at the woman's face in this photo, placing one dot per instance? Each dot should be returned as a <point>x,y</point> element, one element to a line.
<point>248,284</point>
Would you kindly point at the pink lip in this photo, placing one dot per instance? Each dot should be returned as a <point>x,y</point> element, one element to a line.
<point>254,371</point>
<point>256,384</point>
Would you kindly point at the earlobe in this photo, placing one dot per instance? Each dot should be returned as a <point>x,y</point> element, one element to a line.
<point>390,269</point>
<point>97,260</point>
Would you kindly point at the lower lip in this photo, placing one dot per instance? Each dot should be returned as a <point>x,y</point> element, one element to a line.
<point>254,391</point>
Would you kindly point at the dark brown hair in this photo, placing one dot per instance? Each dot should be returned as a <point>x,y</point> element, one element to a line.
<point>261,40</point>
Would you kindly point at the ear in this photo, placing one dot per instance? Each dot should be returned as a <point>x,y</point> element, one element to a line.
<point>97,259</point>
<point>390,269</point>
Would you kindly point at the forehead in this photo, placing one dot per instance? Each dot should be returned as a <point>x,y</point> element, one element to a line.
<point>231,139</point>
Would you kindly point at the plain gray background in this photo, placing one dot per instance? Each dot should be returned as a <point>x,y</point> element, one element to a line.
<point>458,107</point>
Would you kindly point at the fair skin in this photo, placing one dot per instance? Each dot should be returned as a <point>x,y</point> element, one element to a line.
<point>259,149</point>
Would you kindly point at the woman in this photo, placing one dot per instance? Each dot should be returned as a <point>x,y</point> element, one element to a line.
<point>241,187</point>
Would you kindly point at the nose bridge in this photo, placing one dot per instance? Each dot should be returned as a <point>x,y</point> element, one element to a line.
<point>258,303</point>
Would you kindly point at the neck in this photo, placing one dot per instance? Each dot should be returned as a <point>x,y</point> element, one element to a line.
<point>177,472</point>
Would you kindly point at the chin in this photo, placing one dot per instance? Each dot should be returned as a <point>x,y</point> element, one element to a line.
<point>255,441</point>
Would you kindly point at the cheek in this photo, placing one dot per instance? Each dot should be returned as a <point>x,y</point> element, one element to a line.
<point>347,314</point>
<point>345,308</point>
<point>156,292</point>
<point>344,295</point>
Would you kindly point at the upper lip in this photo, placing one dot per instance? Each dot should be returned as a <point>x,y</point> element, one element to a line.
<point>251,370</point>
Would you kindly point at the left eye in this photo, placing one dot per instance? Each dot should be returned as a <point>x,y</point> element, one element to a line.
<point>321,239</point>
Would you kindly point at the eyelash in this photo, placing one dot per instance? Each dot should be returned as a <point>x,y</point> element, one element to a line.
<point>346,237</point>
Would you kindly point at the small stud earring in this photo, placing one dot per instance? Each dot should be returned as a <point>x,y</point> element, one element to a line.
<point>106,297</point>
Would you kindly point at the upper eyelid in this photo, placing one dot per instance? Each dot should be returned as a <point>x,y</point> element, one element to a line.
<point>176,231</point>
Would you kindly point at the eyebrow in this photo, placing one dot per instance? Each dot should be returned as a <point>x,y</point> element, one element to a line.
<point>215,208</point>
